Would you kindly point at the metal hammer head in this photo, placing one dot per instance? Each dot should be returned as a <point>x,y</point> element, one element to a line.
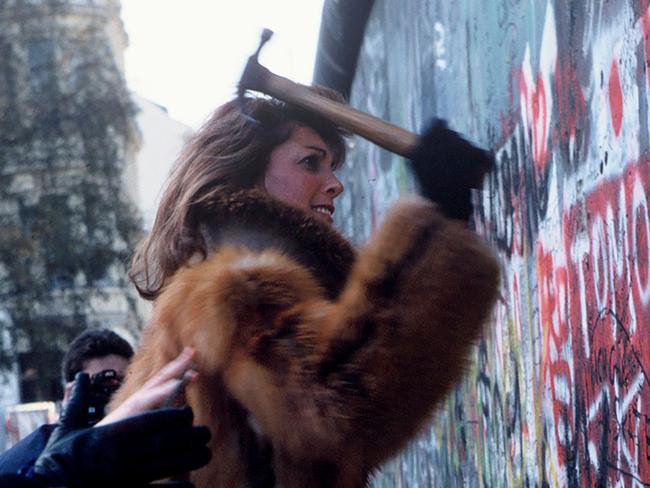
<point>264,38</point>
<point>254,73</point>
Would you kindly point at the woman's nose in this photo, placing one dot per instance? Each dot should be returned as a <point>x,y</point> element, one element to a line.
<point>333,186</point>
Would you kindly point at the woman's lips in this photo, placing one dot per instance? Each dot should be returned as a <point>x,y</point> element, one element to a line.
<point>323,212</point>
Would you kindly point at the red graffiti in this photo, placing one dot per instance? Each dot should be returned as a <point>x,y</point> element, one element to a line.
<point>534,100</point>
<point>557,372</point>
<point>596,346</point>
<point>615,98</point>
<point>571,103</point>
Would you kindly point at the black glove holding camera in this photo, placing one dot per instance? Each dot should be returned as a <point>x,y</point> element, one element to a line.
<point>102,387</point>
<point>131,452</point>
<point>447,167</point>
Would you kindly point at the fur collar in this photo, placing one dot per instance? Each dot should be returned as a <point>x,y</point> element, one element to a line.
<point>253,219</point>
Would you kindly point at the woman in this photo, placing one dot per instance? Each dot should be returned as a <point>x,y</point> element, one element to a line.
<point>315,363</point>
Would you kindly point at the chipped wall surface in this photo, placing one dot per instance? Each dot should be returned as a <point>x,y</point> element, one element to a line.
<point>558,392</point>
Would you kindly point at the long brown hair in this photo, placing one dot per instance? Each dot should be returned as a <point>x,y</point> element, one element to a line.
<point>230,151</point>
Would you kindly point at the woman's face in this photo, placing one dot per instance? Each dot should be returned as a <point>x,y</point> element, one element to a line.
<point>300,173</point>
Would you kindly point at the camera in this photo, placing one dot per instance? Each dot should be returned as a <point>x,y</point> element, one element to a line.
<point>102,387</point>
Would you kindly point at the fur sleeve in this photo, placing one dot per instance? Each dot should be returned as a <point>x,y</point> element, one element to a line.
<point>414,304</point>
<point>367,368</point>
<point>351,378</point>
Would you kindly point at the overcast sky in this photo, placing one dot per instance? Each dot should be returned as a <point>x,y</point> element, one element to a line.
<point>188,55</point>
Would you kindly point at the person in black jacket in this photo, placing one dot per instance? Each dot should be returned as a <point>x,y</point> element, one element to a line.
<point>104,356</point>
<point>131,447</point>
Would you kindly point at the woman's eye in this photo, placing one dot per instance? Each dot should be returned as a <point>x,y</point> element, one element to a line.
<point>311,163</point>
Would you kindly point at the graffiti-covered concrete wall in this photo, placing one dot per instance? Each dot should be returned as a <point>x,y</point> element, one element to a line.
<point>558,393</point>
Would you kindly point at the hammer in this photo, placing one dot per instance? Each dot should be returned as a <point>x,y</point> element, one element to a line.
<point>258,78</point>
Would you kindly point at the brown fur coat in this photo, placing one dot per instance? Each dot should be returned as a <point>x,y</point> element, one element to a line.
<point>316,365</point>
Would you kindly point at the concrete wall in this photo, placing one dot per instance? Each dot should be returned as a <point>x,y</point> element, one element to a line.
<point>558,393</point>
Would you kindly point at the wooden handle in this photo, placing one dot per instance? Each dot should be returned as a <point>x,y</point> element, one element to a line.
<point>382,133</point>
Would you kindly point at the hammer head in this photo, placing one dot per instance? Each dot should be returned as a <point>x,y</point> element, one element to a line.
<point>254,74</point>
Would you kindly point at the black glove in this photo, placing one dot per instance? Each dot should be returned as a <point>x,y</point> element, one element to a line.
<point>75,413</point>
<point>11,480</point>
<point>447,167</point>
<point>131,452</point>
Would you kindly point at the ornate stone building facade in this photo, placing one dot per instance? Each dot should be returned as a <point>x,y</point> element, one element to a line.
<point>67,181</point>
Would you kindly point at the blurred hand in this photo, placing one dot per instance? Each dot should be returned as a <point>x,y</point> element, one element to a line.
<point>447,167</point>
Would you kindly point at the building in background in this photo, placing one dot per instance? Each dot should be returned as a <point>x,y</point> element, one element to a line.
<point>68,142</point>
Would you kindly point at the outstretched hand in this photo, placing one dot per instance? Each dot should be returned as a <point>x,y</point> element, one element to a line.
<point>158,390</point>
<point>447,167</point>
